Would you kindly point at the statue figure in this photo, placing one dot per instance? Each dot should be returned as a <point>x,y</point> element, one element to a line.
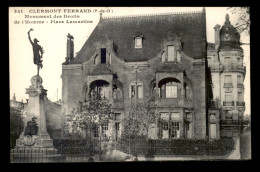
<point>31,128</point>
<point>37,51</point>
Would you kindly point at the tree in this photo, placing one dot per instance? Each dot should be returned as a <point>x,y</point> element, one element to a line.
<point>137,123</point>
<point>90,114</point>
<point>243,22</point>
<point>16,125</point>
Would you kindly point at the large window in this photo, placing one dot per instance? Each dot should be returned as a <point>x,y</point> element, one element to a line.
<point>171,90</point>
<point>168,88</point>
<point>171,53</point>
<point>169,125</point>
<point>228,97</point>
<point>227,80</point>
<point>136,90</point>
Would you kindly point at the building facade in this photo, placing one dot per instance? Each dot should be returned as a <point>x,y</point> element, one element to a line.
<point>225,61</point>
<point>159,60</point>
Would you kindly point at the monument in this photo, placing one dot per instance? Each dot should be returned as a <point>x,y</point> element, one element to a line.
<point>35,137</point>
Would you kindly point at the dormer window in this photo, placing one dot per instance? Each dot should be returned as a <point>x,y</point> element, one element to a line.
<point>171,57</point>
<point>138,39</point>
<point>138,42</point>
<point>171,47</point>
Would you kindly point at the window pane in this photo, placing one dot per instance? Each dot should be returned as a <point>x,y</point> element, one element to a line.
<point>175,130</point>
<point>171,91</point>
<point>138,42</point>
<point>170,53</point>
<point>140,91</point>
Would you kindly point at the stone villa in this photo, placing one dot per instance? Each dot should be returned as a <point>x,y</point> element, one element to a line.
<point>161,59</point>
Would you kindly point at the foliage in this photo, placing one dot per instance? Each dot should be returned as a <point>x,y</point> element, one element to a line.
<point>16,125</point>
<point>137,121</point>
<point>88,114</point>
<point>243,22</point>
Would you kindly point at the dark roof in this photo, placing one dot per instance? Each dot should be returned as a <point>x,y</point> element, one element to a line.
<point>191,26</point>
<point>233,41</point>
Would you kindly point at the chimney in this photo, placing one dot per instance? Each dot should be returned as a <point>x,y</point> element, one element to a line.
<point>217,36</point>
<point>70,46</point>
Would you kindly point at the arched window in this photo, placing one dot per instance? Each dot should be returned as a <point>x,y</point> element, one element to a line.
<point>100,88</point>
<point>136,90</point>
<point>168,88</point>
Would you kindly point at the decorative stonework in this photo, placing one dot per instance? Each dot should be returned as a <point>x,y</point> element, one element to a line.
<point>161,76</point>
<point>107,78</point>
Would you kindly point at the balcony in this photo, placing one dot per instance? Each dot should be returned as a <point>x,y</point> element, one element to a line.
<point>234,122</point>
<point>228,103</point>
<point>235,68</point>
<point>240,103</point>
<point>228,85</point>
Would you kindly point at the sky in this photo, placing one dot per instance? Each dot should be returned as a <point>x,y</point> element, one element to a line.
<point>53,39</point>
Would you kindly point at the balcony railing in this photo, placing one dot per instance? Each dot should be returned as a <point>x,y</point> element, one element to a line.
<point>228,103</point>
<point>228,85</point>
<point>234,122</point>
<point>240,103</point>
<point>235,68</point>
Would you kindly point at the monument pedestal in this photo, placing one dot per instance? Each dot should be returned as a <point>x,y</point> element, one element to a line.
<point>35,137</point>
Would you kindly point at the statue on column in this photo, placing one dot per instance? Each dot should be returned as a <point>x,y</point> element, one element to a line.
<point>37,52</point>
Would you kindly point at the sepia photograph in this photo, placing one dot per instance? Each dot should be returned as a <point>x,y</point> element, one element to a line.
<point>123,84</point>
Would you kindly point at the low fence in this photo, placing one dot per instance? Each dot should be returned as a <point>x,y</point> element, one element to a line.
<point>175,147</point>
<point>85,150</point>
